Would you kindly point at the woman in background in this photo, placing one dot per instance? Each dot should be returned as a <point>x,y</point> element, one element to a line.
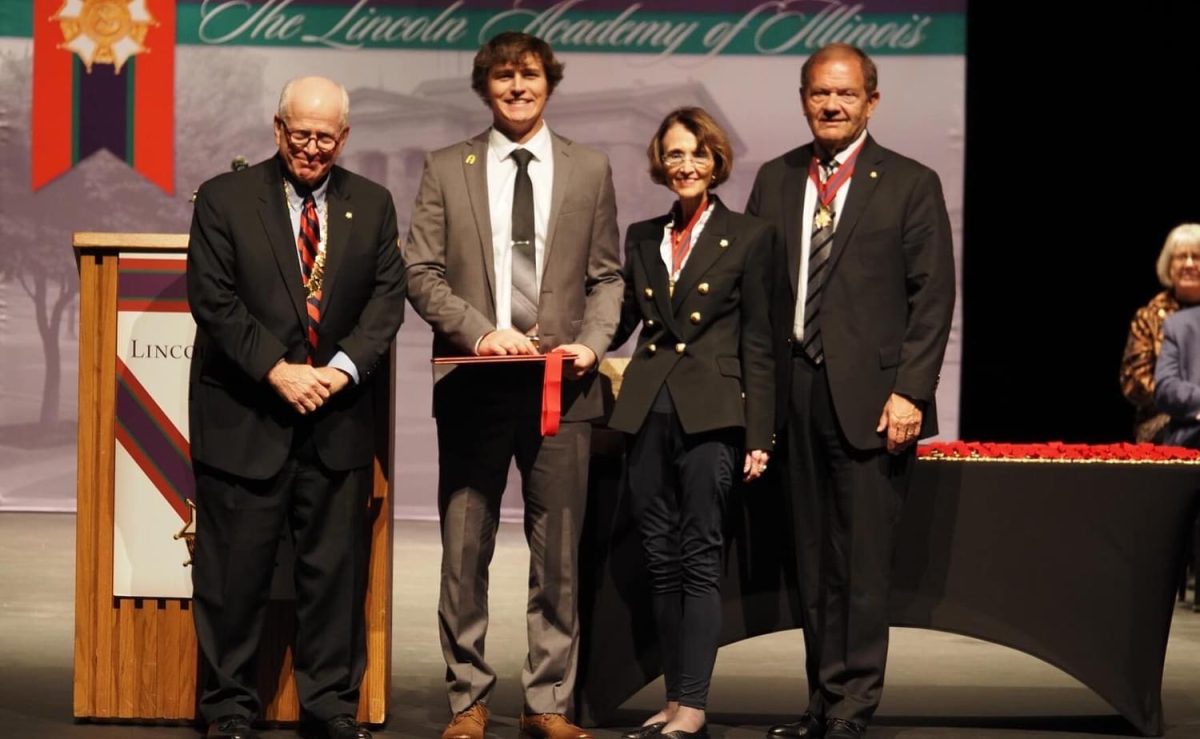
<point>1178,270</point>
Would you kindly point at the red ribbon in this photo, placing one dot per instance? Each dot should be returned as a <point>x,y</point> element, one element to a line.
<point>828,190</point>
<point>552,393</point>
<point>681,237</point>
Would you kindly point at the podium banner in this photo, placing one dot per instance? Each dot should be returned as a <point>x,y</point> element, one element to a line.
<point>154,482</point>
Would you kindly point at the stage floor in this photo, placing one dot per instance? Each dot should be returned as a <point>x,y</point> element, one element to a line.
<point>939,685</point>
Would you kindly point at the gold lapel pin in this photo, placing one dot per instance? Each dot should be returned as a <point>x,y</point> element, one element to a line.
<point>470,159</point>
<point>874,174</point>
<point>349,215</point>
<point>724,243</point>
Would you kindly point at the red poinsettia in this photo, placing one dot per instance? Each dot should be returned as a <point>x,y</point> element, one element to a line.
<point>1056,451</point>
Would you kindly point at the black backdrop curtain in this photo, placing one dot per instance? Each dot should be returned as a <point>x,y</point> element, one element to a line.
<point>1080,158</point>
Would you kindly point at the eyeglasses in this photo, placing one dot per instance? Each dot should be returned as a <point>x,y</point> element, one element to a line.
<point>299,139</point>
<point>699,160</point>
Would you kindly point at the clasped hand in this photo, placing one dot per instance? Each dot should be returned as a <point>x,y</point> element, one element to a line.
<point>304,387</point>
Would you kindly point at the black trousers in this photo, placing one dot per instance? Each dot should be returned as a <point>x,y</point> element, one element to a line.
<point>846,503</point>
<point>678,485</point>
<point>238,528</point>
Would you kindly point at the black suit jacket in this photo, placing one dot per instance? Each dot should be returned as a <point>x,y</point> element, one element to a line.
<point>889,297</point>
<point>246,294</point>
<point>711,344</point>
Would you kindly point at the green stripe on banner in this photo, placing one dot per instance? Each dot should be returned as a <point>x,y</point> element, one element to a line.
<point>16,18</point>
<point>362,26</point>
<point>630,31</point>
<point>130,73</point>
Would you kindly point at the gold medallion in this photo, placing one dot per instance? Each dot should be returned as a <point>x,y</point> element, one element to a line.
<point>823,217</point>
<point>104,31</point>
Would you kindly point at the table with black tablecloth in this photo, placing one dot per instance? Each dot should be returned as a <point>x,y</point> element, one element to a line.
<point>1075,563</point>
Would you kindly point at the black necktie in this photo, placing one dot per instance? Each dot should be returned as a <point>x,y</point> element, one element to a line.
<point>819,248</point>
<point>524,254</point>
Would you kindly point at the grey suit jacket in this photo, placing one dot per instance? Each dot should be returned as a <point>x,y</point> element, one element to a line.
<point>451,268</point>
<point>1177,377</point>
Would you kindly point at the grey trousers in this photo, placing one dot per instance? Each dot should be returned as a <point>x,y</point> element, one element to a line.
<point>479,434</point>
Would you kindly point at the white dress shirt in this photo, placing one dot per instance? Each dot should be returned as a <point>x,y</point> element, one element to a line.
<point>664,247</point>
<point>501,178</point>
<point>810,207</point>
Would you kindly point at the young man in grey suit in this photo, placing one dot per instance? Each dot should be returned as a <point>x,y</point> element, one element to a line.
<point>295,281</point>
<point>514,249</point>
<point>864,319</point>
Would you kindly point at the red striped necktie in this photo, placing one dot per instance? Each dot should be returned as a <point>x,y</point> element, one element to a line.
<point>308,245</point>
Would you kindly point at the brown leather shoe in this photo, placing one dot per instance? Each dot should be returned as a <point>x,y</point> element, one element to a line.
<point>468,724</point>
<point>550,726</point>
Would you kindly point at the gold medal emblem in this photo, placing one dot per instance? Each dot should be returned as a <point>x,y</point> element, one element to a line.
<point>104,31</point>
<point>823,217</point>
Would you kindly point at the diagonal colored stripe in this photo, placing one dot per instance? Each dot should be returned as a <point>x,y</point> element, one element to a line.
<point>142,460</point>
<point>153,450</point>
<point>146,401</point>
<point>153,441</point>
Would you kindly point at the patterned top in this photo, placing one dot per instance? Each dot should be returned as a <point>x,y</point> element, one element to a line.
<point>1137,366</point>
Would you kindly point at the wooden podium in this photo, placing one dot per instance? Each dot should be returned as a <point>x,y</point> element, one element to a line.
<point>136,658</point>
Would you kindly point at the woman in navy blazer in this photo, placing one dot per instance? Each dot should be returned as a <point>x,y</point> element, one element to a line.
<point>698,395</point>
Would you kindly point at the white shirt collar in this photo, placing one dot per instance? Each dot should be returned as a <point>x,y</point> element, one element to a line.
<point>541,145</point>
<point>296,200</point>
<point>844,154</point>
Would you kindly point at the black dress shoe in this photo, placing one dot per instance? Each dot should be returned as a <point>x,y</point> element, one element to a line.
<point>701,733</point>
<point>345,727</point>
<point>808,727</point>
<point>838,728</point>
<point>231,727</point>
<point>645,732</point>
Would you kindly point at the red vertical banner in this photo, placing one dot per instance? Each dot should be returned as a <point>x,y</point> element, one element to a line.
<point>154,100</point>
<point>53,96</point>
<point>104,78</point>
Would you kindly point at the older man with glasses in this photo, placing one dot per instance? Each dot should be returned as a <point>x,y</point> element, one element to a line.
<point>297,287</point>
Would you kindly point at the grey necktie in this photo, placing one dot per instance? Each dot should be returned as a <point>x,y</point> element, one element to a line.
<point>818,259</point>
<point>524,253</point>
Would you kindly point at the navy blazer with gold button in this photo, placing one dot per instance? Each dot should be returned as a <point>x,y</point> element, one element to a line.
<point>710,342</point>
